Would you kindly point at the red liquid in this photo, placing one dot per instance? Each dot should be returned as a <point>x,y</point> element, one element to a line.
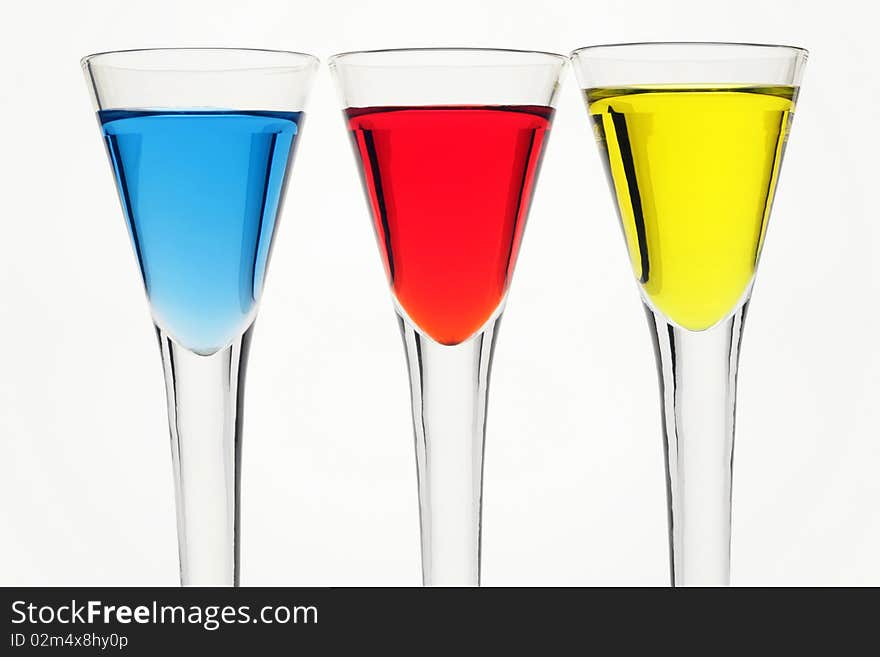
<point>449,189</point>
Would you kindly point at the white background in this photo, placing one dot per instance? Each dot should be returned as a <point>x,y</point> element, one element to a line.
<point>574,491</point>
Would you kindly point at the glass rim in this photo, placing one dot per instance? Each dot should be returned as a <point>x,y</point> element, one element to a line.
<point>333,59</point>
<point>732,44</point>
<point>306,58</point>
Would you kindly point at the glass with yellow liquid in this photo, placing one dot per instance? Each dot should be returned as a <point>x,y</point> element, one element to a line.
<point>692,137</point>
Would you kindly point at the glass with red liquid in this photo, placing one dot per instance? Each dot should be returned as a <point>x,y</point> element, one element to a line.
<point>449,142</point>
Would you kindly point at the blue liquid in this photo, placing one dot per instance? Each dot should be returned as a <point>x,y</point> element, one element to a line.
<point>201,192</point>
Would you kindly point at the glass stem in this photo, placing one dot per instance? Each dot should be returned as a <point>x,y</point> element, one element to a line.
<point>449,386</point>
<point>697,371</point>
<point>205,402</point>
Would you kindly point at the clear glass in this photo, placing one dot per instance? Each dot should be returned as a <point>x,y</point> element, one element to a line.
<point>449,143</point>
<point>692,136</point>
<point>200,141</point>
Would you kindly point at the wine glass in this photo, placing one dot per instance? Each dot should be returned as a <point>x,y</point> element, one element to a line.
<point>692,137</point>
<point>449,143</point>
<point>200,141</point>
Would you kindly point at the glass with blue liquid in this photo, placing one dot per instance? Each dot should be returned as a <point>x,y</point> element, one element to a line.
<point>201,142</point>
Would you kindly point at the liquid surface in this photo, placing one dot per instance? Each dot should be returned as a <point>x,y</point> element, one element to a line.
<point>694,171</point>
<point>201,191</point>
<point>449,188</point>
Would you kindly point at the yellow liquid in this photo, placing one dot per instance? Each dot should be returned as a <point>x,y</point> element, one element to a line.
<point>693,170</point>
